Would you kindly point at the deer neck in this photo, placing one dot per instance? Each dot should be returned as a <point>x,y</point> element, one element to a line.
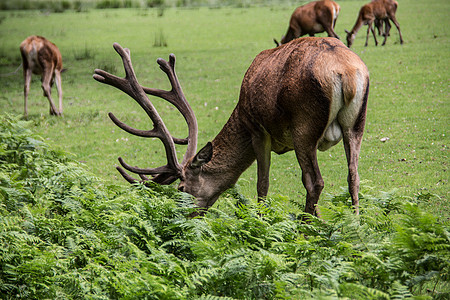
<point>290,35</point>
<point>232,151</point>
<point>358,24</point>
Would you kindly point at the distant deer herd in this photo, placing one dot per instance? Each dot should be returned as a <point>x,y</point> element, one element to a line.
<point>304,95</point>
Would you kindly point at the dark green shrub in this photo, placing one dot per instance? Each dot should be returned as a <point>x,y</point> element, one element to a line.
<point>155,3</point>
<point>108,4</point>
<point>65,234</point>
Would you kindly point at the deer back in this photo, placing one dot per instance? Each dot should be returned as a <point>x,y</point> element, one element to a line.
<point>302,85</point>
<point>38,53</point>
<point>312,18</point>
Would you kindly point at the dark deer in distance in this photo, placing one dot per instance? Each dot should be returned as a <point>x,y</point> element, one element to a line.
<point>303,96</point>
<point>311,18</point>
<point>377,12</point>
<point>42,57</point>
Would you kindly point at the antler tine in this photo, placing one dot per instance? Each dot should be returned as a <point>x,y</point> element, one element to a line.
<point>129,178</point>
<point>160,178</point>
<point>176,97</point>
<point>152,171</point>
<point>130,86</point>
<point>126,175</point>
<point>143,133</point>
<point>161,175</point>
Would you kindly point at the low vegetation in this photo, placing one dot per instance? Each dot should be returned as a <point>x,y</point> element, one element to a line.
<point>65,234</point>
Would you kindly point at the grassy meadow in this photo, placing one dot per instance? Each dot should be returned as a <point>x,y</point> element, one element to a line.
<point>408,102</point>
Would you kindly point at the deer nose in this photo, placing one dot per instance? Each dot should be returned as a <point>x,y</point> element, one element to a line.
<point>181,188</point>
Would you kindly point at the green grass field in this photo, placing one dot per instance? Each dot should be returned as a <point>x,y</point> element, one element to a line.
<point>408,103</point>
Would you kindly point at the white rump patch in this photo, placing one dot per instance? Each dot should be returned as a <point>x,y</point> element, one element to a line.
<point>342,117</point>
<point>348,114</point>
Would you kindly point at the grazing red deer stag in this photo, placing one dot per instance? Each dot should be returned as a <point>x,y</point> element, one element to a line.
<point>314,17</point>
<point>42,57</point>
<point>303,96</point>
<point>376,12</point>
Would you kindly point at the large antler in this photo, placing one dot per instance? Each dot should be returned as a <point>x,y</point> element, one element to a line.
<point>129,85</point>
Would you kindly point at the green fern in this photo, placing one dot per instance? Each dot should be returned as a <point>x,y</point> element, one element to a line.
<point>64,234</point>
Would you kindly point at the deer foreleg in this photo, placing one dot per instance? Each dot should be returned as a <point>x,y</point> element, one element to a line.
<point>26,89</point>
<point>59,88</point>
<point>330,31</point>
<point>367,35</point>
<point>46,87</point>
<point>262,147</point>
<point>292,33</point>
<point>329,28</point>
<point>374,35</point>
<point>371,29</point>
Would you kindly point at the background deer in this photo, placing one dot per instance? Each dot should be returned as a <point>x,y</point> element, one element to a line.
<point>312,18</point>
<point>42,57</point>
<point>376,12</point>
<point>302,96</point>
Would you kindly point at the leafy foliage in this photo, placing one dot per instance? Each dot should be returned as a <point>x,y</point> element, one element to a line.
<point>64,234</point>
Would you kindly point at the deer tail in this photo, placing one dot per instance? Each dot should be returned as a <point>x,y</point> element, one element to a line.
<point>349,86</point>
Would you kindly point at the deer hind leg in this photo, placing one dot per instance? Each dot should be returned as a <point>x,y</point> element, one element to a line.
<point>352,145</point>
<point>46,87</point>
<point>392,17</point>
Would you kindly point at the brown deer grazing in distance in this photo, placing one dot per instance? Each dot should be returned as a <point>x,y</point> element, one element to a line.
<point>303,96</point>
<point>314,17</point>
<point>376,12</point>
<point>42,57</point>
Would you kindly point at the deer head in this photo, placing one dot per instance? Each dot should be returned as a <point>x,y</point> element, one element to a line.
<point>350,37</point>
<point>304,95</point>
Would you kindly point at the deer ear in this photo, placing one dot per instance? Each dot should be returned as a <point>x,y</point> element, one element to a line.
<point>202,157</point>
